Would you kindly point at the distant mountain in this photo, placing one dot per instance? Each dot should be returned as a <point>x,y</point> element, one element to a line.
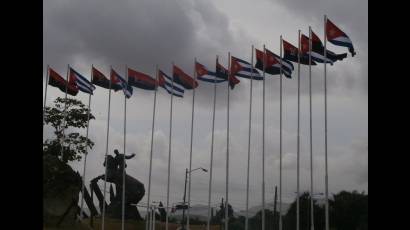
<point>201,211</point>
<point>255,209</point>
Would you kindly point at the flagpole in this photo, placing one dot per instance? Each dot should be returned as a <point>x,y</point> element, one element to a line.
<point>326,169</point>
<point>45,95</point>
<point>310,117</point>
<point>123,160</point>
<point>106,150</point>
<point>263,140</point>
<point>190,150</point>
<point>65,112</point>
<point>86,148</point>
<point>152,145</point>
<point>280,141</point>
<point>249,146</point>
<point>298,141</point>
<point>227,150</point>
<point>212,158</point>
<point>169,153</point>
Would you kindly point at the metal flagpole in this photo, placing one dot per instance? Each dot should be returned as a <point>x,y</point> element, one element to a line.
<point>106,150</point>
<point>249,146</point>
<point>212,158</point>
<point>86,148</point>
<point>227,150</point>
<point>153,218</point>
<point>45,95</point>
<point>310,117</point>
<point>190,150</point>
<point>298,140</point>
<point>263,141</point>
<point>280,141</point>
<point>169,154</point>
<point>65,111</point>
<point>326,169</point>
<point>152,145</point>
<point>123,159</point>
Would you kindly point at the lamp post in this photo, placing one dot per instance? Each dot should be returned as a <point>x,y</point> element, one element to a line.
<point>183,207</point>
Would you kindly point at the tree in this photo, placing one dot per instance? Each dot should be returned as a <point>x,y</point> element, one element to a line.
<point>74,144</point>
<point>289,220</point>
<point>350,210</point>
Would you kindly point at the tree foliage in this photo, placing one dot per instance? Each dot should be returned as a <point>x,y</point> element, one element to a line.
<point>66,117</point>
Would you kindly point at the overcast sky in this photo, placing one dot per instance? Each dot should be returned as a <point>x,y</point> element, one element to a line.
<point>144,33</point>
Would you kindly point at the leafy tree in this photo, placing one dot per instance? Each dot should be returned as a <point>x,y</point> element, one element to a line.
<point>347,210</point>
<point>350,210</point>
<point>271,220</point>
<point>76,116</point>
<point>289,220</point>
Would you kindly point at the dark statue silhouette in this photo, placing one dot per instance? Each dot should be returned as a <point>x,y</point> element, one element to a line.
<point>134,189</point>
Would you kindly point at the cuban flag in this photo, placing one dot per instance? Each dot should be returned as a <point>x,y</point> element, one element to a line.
<point>98,78</point>
<point>290,52</point>
<point>141,80</point>
<point>81,82</point>
<point>173,88</point>
<point>54,79</point>
<point>337,37</point>
<point>183,79</point>
<point>273,63</point>
<point>244,69</point>
<point>116,79</point>
<point>204,74</point>
<point>318,50</point>
<point>223,73</point>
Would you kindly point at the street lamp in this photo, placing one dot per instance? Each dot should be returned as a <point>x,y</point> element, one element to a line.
<point>184,205</point>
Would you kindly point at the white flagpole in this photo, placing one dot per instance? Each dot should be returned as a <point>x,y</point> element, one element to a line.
<point>263,140</point>
<point>123,160</point>
<point>298,141</point>
<point>249,146</point>
<point>227,150</point>
<point>311,143</point>
<point>212,158</point>
<point>86,153</point>
<point>65,112</point>
<point>152,146</point>
<point>169,154</point>
<point>45,95</point>
<point>326,169</point>
<point>190,149</point>
<point>280,141</point>
<point>106,149</point>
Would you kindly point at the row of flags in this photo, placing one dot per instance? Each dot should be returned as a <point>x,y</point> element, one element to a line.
<point>180,81</point>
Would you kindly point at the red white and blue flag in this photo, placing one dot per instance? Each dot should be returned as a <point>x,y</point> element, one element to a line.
<point>204,74</point>
<point>290,52</point>
<point>317,53</point>
<point>244,69</point>
<point>223,73</point>
<point>141,80</point>
<point>170,86</point>
<point>54,79</point>
<point>183,79</point>
<point>337,37</point>
<point>273,63</point>
<point>81,82</point>
<point>99,79</point>
<point>118,80</point>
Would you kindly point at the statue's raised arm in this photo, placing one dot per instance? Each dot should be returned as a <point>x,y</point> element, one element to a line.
<point>130,156</point>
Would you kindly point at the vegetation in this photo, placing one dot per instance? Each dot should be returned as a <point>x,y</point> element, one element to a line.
<point>67,115</point>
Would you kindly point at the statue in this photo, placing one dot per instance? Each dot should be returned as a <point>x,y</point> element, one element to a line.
<point>134,189</point>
